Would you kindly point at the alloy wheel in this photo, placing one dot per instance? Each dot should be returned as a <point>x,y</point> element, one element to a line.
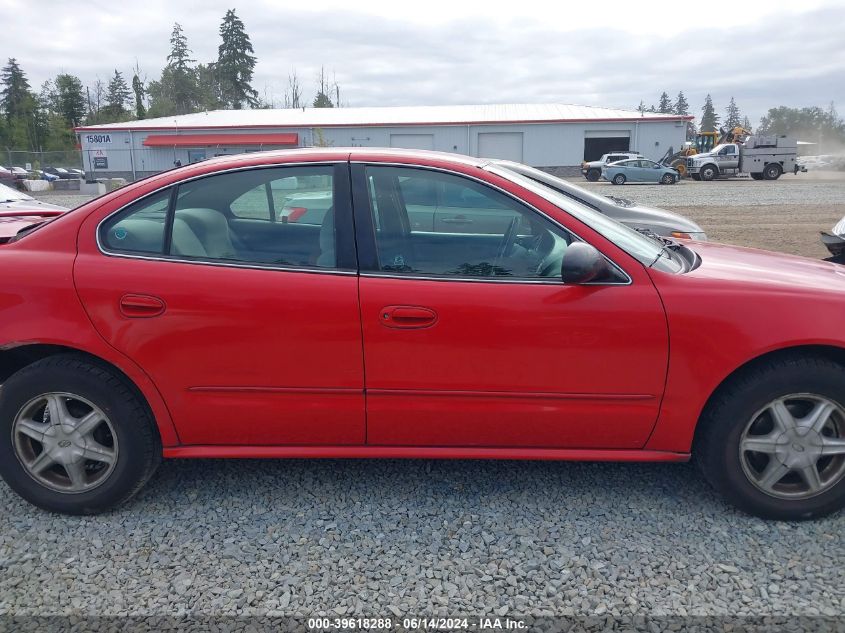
<point>794,447</point>
<point>65,442</point>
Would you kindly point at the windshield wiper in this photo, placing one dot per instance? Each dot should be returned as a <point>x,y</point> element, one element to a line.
<point>667,245</point>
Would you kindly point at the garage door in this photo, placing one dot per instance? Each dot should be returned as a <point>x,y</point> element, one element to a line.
<point>412,141</point>
<point>600,142</point>
<point>506,145</point>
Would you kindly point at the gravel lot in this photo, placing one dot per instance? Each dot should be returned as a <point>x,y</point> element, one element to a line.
<point>785,215</point>
<point>440,537</point>
<point>370,537</point>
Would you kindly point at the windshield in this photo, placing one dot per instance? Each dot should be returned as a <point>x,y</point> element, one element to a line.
<point>565,187</point>
<point>648,251</point>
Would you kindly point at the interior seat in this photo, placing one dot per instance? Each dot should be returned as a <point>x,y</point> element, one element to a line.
<point>211,229</point>
<point>185,242</point>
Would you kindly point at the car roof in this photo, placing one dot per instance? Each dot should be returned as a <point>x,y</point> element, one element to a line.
<point>331,153</point>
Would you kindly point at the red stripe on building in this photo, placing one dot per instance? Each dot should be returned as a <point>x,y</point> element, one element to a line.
<point>228,140</point>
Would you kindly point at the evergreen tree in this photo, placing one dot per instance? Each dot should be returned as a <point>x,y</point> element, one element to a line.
<point>179,57</point>
<point>733,118</point>
<point>323,98</point>
<point>665,105</point>
<point>15,98</point>
<point>681,105</point>
<point>176,91</point>
<point>746,123</point>
<point>235,63</point>
<point>138,91</point>
<point>118,96</point>
<point>70,101</point>
<point>709,118</point>
<point>641,107</point>
<point>208,87</point>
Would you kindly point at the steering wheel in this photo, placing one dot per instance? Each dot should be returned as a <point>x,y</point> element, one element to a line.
<point>508,240</point>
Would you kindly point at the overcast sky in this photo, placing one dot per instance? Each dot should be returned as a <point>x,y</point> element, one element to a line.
<point>424,52</point>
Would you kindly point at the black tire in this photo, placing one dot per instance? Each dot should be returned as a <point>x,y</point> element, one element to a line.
<point>593,174</point>
<point>129,417</point>
<point>757,176</point>
<point>772,171</point>
<point>733,407</point>
<point>667,179</point>
<point>709,172</point>
<point>696,176</point>
<point>619,179</point>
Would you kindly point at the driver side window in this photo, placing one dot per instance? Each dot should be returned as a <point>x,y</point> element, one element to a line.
<point>433,223</point>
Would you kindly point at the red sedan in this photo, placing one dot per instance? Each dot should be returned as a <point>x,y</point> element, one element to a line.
<point>440,307</point>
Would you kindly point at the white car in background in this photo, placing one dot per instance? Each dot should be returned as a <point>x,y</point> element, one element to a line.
<point>19,211</point>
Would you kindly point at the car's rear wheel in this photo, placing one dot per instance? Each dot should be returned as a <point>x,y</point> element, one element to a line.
<point>619,179</point>
<point>74,436</point>
<point>593,174</point>
<point>773,439</point>
<point>696,176</point>
<point>668,179</point>
<point>772,171</point>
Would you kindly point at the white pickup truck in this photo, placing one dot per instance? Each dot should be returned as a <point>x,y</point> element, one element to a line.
<point>591,170</point>
<point>762,157</point>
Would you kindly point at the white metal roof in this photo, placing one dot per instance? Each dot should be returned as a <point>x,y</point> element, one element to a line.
<point>388,116</point>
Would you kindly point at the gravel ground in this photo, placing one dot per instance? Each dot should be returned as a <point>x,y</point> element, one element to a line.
<point>388,537</point>
<point>801,189</point>
<point>410,538</point>
<point>785,215</point>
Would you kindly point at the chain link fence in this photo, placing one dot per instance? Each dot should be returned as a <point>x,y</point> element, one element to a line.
<point>39,160</point>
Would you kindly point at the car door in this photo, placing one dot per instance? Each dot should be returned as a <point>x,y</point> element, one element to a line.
<point>249,328</point>
<point>649,171</point>
<point>642,170</point>
<point>627,168</point>
<point>472,339</point>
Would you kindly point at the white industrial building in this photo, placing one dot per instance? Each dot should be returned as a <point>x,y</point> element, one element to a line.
<point>542,135</point>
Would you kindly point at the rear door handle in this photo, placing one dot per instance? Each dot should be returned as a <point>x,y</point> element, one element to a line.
<point>407,317</point>
<point>141,306</point>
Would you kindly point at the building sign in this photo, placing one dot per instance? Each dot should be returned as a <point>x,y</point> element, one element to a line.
<point>101,162</point>
<point>98,139</point>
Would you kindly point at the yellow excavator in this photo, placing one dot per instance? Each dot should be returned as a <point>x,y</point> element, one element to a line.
<point>703,142</point>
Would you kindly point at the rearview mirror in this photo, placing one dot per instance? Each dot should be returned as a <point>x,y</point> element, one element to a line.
<point>582,263</point>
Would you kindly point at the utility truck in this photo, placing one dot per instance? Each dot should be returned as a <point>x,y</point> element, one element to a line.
<point>761,157</point>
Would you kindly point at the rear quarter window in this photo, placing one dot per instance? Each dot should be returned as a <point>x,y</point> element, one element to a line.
<point>139,228</point>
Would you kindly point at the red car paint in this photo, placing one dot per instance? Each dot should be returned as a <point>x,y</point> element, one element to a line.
<point>244,362</point>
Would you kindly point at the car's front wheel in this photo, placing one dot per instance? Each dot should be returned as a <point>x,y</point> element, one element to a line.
<point>773,439</point>
<point>709,173</point>
<point>619,179</point>
<point>668,179</point>
<point>74,437</point>
<point>593,174</point>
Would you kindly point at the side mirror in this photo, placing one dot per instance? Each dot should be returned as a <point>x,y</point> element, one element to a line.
<point>582,263</point>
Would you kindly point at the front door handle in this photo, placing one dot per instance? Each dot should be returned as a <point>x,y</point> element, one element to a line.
<point>458,219</point>
<point>141,306</point>
<point>407,317</point>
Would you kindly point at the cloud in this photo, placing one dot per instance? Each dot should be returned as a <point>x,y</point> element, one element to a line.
<point>790,57</point>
